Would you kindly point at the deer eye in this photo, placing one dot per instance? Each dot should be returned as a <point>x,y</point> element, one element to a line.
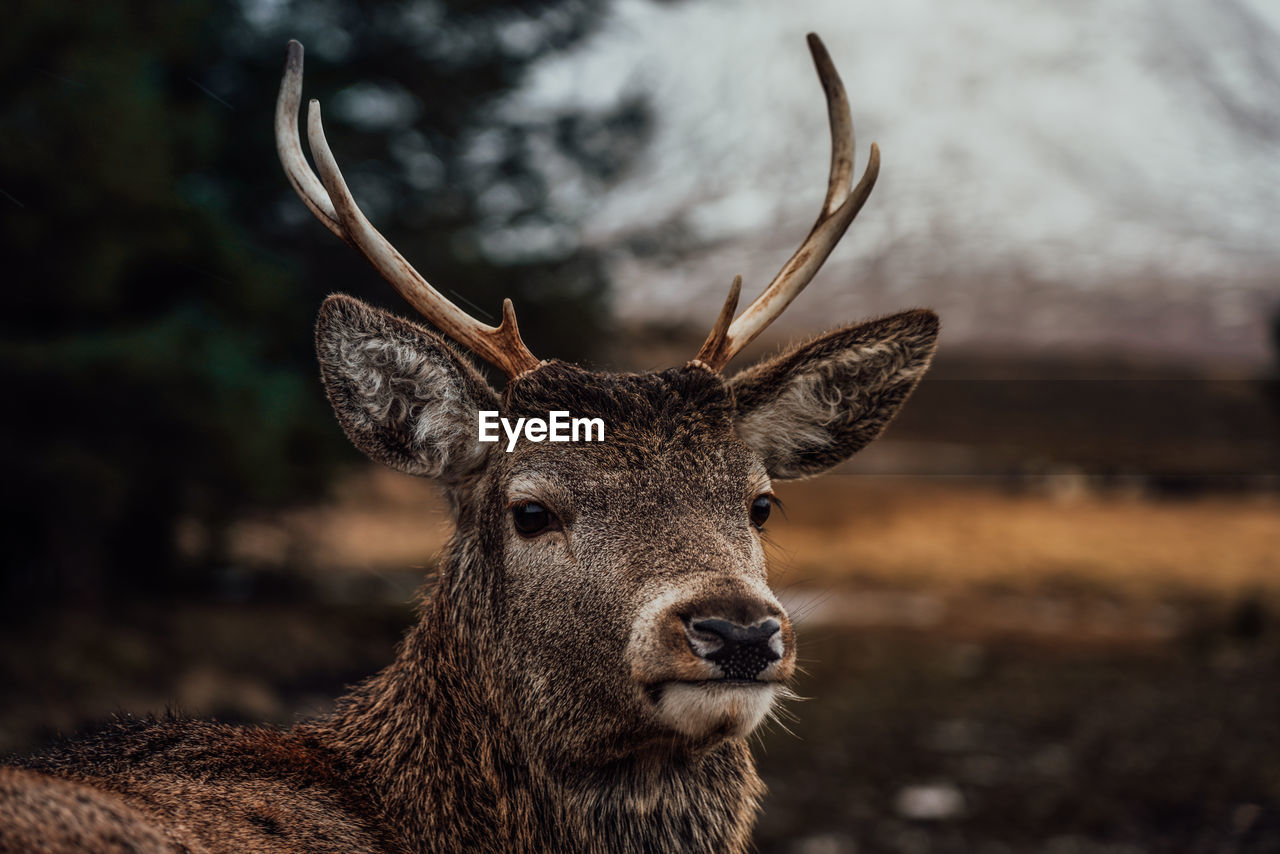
<point>760,508</point>
<point>532,519</point>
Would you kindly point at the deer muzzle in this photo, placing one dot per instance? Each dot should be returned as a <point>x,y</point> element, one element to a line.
<point>712,663</point>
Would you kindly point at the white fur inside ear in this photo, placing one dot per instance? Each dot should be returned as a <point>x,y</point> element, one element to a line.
<point>698,709</point>
<point>415,390</point>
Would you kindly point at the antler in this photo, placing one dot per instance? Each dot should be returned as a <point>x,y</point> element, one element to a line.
<point>838,210</point>
<point>329,199</point>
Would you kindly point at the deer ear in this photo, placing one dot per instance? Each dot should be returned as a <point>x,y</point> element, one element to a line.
<point>402,394</point>
<point>813,406</point>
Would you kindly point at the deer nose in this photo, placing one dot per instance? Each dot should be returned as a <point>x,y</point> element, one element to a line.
<point>740,651</point>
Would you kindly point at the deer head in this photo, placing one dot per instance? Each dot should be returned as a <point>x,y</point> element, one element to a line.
<point>613,595</point>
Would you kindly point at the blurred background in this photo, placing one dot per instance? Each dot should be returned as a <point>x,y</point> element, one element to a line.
<point>1041,614</point>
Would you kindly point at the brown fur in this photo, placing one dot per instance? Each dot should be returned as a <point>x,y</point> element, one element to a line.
<point>547,699</point>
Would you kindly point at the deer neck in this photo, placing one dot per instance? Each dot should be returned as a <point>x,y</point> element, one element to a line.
<point>420,734</point>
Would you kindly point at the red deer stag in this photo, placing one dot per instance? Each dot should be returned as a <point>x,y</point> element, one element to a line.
<point>601,638</point>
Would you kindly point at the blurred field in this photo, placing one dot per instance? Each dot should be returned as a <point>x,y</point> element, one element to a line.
<point>1047,556</point>
<point>917,531</point>
<point>850,530</point>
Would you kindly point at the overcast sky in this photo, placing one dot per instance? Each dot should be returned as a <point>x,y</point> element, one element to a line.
<point>1121,157</point>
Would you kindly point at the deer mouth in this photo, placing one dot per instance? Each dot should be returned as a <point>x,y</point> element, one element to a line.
<point>706,707</point>
<point>654,689</point>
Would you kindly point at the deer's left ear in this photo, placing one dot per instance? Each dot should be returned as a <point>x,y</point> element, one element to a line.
<point>813,406</point>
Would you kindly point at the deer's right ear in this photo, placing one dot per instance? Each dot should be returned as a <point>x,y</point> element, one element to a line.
<point>402,394</point>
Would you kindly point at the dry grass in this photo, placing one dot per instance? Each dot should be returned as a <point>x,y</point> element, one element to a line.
<point>378,521</point>
<point>921,531</point>
<point>845,529</point>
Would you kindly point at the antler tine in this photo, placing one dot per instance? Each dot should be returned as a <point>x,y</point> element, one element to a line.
<point>841,122</point>
<point>710,352</point>
<point>329,199</point>
<point>289,145</point>
<point>839,208</point>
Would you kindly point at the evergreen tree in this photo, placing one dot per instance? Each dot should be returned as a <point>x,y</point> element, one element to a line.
<point>162,278</point>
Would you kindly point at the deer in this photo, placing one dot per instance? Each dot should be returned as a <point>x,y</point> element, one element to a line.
<point>600,638</point>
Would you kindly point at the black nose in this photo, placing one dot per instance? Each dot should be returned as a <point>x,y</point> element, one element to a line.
<point>740,651</point>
